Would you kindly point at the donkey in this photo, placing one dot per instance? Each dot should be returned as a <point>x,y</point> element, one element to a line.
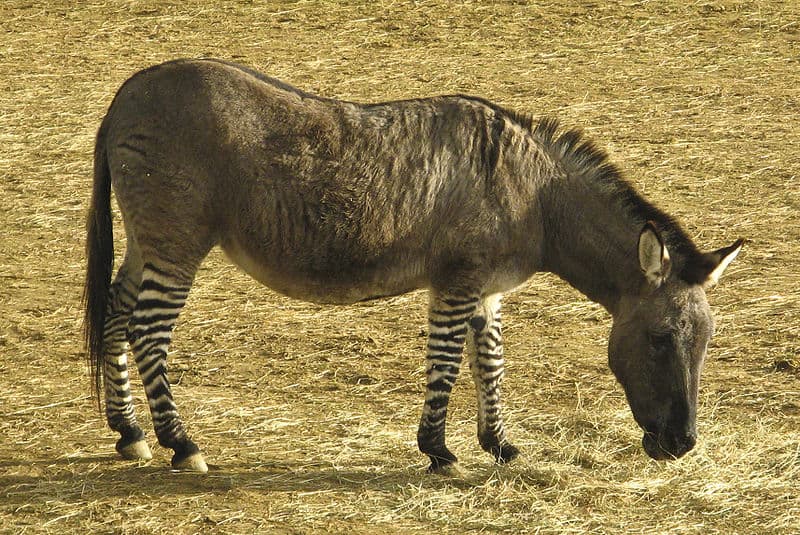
<point>338,202</point>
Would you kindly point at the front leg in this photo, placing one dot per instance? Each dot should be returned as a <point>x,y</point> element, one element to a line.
<point>488,367</point>
<point>448,317</point>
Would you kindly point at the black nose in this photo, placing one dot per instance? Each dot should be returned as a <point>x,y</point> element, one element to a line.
<point>677,444</point>
<point>666,445</point>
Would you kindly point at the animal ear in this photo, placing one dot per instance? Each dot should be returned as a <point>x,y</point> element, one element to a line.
<point>653,255</point>
<point>707,270</point>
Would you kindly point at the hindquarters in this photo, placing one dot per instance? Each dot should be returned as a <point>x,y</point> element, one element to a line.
<point>165,161</point>
<point>157,156</point>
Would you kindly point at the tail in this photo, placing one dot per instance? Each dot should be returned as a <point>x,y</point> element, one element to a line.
<point>99,264</point>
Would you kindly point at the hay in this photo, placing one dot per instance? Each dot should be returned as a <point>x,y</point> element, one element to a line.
<point>307,414</point>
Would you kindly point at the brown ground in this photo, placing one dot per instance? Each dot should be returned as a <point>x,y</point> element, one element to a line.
<point>307,414</point>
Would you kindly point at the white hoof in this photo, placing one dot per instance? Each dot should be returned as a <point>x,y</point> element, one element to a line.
<point>192,463</point>
<point>138,451</point>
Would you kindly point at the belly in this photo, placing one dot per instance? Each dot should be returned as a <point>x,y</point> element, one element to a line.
<point>342,283</point>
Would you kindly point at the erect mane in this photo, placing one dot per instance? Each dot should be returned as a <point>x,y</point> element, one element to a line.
<point>582,156</point>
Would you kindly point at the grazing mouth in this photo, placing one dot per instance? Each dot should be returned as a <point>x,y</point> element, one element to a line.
<point>663,447</point>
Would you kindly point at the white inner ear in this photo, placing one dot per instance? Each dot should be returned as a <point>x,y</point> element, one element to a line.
<point>713,277</point>
<point>653,257</point>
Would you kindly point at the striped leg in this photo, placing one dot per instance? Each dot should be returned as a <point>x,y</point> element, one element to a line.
<point>119,402</point>
<point>447,322</point>
<point>487,365</point>
<point>161,298</point>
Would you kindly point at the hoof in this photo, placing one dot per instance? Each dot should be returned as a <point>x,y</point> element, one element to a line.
<point>505,453</point>
<point>447,470</point>
<point>441,458</point>
<point>135,451</point>
<point>192,463</point>
<point>502,450</point>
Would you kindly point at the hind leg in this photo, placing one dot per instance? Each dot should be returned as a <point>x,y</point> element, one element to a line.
<point>162,294</point>
<point>119,402</point>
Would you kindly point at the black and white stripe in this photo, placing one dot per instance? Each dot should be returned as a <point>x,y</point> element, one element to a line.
<point>160,300</point>
<point>448,320</point>
<point>488,368</point>
<point>119,401</point>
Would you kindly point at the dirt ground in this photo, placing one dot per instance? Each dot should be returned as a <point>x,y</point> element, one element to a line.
<point>307,414</point>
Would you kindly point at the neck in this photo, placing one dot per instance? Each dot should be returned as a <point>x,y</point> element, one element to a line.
<point>593,249</point>
<point>592,221</point>
<point>590,218</point>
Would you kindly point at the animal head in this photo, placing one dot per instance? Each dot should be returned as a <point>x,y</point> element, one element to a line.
<point>658,342</point>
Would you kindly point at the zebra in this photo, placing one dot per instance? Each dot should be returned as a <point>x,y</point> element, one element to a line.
<point>336,202</point>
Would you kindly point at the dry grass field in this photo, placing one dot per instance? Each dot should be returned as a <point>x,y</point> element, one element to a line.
<point>307,414</point>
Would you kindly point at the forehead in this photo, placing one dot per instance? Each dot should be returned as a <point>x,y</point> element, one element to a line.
<point>680,302</point>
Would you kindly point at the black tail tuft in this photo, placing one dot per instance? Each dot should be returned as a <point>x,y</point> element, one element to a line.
<point>99,264</point>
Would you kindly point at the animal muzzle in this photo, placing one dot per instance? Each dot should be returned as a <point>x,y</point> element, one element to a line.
<point>668,445</point>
